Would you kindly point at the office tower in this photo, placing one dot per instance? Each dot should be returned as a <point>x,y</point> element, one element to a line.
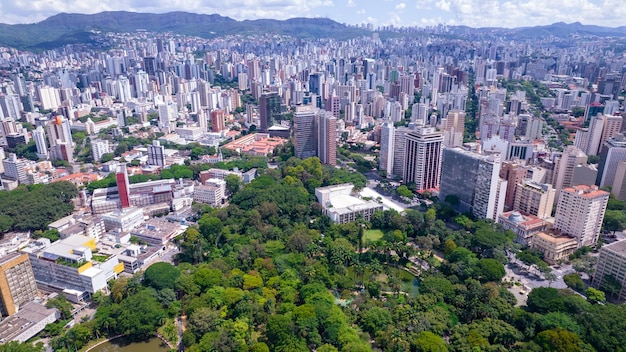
<point>123,185</point>
<point>579,213</point>
<point>459,169</point>
<point>534,198</point>
<point>514,174</point>
<point>39,135</point>
<point>613,152</point>
<point>612,262</point>
<point>17,283</point>
<point>423,155</point>
<point>269,110</point>
<point>60,138</point>
<point>563,174</point>
<point>217,121</point>
<point>304,142</point>
<point>399,148</point>
<point>315,83</point>
<point>167,116</point>
<point>14,169</point>
<point>99,148</point>
<point>474,181</point>
<point>156,154</point>
<point>326,127</point>
<point>150,65</point>
<point>387,139</point>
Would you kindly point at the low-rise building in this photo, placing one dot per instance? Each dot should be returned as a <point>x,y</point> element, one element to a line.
<point>524,226</point>
<point>71,265</point>
<point>342,207</point>
<point>554,246</point>
<point>123,219</point>
<point>28,322</point>
<point>157,232</point>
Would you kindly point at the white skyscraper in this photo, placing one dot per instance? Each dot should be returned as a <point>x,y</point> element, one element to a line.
<point>167,116</point>
<point>39,135</point>
<point>99,148</point>
<point>423,155</point>
<point>580,211</point>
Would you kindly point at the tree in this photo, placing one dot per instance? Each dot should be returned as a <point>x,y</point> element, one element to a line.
<point>611,285</point>
<point>404,191</point>
<point>574,281</point>
<point>595,296</point>
<point>161,275</point>
<point>233,183</point>
<point>426,341</point>
<point>16,346</point>
<point>491,270</point>
<point>211,228</point>
<point>375,319</point>
<point>614,220</point>
<point>559,340</point>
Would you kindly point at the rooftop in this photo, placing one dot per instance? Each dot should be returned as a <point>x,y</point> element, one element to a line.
<point>618,247</point>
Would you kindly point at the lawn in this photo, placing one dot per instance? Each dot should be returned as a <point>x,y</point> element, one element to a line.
<point>372,235</point>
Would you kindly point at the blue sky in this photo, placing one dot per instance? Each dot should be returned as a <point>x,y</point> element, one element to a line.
<point>476,13</point>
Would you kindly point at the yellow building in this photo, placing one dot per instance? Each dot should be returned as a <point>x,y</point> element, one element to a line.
<point>17,283</point>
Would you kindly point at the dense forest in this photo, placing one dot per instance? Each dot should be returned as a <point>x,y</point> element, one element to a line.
<point>30,208</point>
<point>270,272</point>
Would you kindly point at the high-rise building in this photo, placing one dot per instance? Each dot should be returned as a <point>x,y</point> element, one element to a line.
<point>14,169</point>
<point>39,135</point>
<point>269,110</point>
<point>613,152</point>
<point>387,139</point>
<point>399,147</point>
<point>490,189</point>
<point>326,127</point>
<point>579,213</point>
<point>217,121</point>
<point>474,180</point>
<point>534,198</point>
<point>167,116</point>
<point>423,155</point>
<point>123,186</point>
<point>156,154</point>
<point>612,262</point>
<point>17,283</point>
<point>60,137</point>
<point>514,174</point>
<point>99,148</point>
<point>619,183</point>
<point>563,174</point>
<point>305,143</point>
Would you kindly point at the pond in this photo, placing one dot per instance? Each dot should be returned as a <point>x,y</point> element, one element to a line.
<point>121,345</point>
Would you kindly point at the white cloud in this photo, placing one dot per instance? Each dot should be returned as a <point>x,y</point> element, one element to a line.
<point>361,12</point>
<point>401,6</point>
<point>351,3</point>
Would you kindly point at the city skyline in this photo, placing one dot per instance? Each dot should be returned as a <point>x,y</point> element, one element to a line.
<point>473,13</point>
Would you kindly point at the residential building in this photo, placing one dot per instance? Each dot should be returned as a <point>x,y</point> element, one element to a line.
<point>514,174</point>
<point>534,198</point>
<point>579,213</point>
<point>213,192</point>
<point>99,148</point>
<point>15,169</point>
<point>423,157</point>
<point>60,137</point>
<point>563,174</point>
<point>613,152</point>
<point>17,283</point>
<point>217,121</point>
<point>387,139</point>
<point>619,183</point>
<point>612,262</point>
<point>326,127</point>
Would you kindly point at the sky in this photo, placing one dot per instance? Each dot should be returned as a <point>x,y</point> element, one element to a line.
<point>474,13</point>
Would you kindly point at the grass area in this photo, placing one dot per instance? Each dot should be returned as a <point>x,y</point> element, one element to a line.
<point>372,235</point>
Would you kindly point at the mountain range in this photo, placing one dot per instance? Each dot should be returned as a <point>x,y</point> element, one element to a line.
<point>66,28</point>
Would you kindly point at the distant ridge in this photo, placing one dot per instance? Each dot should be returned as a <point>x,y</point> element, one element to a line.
<point>69,28</point>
